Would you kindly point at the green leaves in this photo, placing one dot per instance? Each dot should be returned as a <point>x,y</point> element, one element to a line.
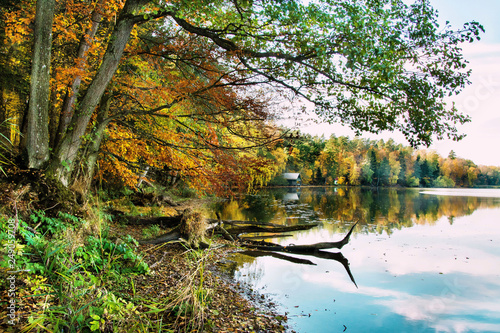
<point>96,323</point>
<point>372,65</point>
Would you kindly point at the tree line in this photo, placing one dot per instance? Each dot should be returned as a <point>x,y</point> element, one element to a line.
<point>358,161</point>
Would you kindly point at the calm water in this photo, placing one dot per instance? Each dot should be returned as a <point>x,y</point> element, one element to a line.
<point>422,261</point>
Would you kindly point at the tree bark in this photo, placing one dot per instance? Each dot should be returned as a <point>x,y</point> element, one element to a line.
<point>62,164</point>
<point>72,92</point>
<point>37,136</point>
<point>92,152</point>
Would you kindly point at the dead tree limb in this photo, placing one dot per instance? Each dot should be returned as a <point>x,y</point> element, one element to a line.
<point>273,229</point>
<point>266,246</point>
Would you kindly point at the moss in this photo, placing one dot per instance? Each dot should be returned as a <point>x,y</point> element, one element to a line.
<point>192,226</point>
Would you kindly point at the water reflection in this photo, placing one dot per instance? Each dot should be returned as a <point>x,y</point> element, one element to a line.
<point>337,256</point>
<point>377,209</point>
<point>423,262</point>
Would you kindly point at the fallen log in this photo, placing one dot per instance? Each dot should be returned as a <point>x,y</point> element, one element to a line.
<point>173,235</point>
<point>244,238</point>
<point>266,246</point>
<point>272,229</point>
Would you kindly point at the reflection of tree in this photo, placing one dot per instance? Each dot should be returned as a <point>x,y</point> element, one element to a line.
<point>377,209</point>
<point>262,207</point>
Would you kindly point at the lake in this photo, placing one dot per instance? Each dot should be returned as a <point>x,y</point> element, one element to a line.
<point>419,260</point>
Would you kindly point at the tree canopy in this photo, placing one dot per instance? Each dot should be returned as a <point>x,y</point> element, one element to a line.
<point>192,86</point>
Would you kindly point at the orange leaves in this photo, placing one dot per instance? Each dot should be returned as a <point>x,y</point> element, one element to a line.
<point>177,114</point>
<point>17,23</point>
<point>111,8</point>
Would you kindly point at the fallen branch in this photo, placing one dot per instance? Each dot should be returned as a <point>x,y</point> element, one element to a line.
<point>273,229</point>
<point>266,246</point>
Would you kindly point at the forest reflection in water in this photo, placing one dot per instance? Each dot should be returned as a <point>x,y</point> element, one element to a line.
<point>423,261</point>
<point>377,210</point>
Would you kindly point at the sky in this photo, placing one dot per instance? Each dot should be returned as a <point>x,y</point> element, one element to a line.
<point>480,100</point>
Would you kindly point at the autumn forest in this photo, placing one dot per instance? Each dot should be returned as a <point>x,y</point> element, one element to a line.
<point>341,161</point>
<point>117,114</point>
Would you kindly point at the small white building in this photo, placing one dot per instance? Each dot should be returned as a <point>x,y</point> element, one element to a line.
<point>293,178</point>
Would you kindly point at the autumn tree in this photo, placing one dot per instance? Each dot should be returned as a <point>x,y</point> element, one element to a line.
<point>373,65</point>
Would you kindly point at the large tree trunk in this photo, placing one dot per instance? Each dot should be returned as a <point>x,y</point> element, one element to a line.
<point>37,136</point>
<point>72,92</point>
<point>91,153</point>
<point>62,164</point>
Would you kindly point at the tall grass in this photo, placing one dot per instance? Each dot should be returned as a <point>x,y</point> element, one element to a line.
<point>78,277</point>
<point>193,297</point>
<point>5,144</point>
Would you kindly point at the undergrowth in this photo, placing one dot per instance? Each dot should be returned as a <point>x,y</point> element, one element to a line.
<point>72,275</point>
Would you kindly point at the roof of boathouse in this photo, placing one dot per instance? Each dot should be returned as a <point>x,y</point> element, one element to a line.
<point>291,176</point>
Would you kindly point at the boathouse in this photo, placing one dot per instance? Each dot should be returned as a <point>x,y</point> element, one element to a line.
<point>293,179</point>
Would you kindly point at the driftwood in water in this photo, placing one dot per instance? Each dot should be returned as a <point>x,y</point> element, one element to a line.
<point>277,229</point>
<point>266,246</point>
<point>190,228</point>
<point>189,225</point>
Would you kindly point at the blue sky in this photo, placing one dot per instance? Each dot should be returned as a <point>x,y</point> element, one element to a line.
<point>480,100</point>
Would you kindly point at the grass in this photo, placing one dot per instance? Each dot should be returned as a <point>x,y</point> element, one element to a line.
<point>151,231</point>
<point>192,298</point>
